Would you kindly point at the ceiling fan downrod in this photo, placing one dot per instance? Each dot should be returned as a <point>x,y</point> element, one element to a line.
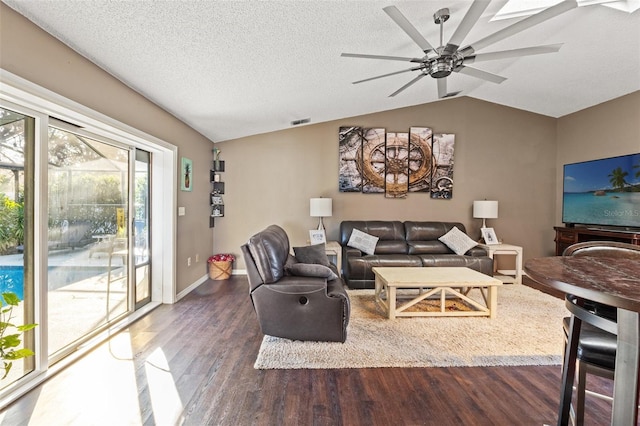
<point>443,65</point>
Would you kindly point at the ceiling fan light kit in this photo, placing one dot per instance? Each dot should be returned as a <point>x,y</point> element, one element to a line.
<point>439,62</point>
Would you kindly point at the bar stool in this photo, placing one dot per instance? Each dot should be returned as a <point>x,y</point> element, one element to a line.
<point>596,347</point>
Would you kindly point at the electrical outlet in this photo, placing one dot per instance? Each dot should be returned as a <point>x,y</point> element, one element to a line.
<point>197,258</point>
<point>188,261</point>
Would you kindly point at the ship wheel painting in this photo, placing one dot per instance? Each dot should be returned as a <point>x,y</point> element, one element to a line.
<point>395,163</point>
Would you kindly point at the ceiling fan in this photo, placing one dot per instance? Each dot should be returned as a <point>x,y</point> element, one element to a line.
<point>440,62</point>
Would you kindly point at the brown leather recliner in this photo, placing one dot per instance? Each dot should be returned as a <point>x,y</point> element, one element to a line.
<point>293,307</point>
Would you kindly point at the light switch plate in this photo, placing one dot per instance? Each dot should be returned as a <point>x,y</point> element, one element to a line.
<point>181,211</point>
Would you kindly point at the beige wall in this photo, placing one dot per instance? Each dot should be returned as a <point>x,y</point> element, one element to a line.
<point>32,54</point>
<point>606,130</point>
<point>501,153</point>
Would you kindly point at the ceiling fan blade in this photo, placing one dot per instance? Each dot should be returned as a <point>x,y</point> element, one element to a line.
<point>388,58</point>
<point>484,75</point>
<point>514,53</point>
<point>442,87</point>
<point>383,75</point>
<point>468,22</point>
<point>520,26</point>
<point>397,16</point>
<point>407,85</point>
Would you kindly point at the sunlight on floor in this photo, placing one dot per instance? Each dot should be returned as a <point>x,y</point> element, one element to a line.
<point>165,399</point>
<point>104,384</point>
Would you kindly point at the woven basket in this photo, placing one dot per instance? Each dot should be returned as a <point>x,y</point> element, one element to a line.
<point>220,270</point>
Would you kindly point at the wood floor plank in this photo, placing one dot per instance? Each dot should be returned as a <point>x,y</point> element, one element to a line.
<point>191,363</point>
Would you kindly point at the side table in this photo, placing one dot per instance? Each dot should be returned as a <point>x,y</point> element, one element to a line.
<point>506,276</point>
<point>333,248</point>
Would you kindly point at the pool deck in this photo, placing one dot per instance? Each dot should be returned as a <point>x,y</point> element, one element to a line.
<point>67,257</point>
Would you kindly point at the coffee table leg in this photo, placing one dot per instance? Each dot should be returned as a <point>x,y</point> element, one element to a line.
<point>493,301</point>
<point>391,300</point>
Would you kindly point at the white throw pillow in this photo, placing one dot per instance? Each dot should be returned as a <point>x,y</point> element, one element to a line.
<point>363,241</point>
<point>458,241</point>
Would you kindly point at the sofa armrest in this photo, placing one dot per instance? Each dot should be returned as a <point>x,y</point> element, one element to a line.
<point>476,252</point>
<point>350,252</point>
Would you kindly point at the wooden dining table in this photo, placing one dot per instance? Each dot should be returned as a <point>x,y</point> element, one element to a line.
<point>614,282</point>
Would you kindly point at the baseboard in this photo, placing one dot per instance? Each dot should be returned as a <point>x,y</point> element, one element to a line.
<point>192,287</point>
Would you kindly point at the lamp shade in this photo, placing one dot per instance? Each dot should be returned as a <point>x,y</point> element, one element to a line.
<point>320,207</point>
<point>485,209</point>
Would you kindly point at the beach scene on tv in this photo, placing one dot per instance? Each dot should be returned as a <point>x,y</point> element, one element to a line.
<point>603,192</point>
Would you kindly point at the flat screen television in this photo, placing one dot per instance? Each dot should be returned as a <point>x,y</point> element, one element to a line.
<point>604,192</point>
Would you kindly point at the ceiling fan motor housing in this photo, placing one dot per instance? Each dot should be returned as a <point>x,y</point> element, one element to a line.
<point>441,67</point>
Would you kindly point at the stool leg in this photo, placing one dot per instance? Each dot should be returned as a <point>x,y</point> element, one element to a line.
<point>581,388</point>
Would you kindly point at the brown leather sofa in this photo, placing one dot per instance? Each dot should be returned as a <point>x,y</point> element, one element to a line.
<point>289,306</point>
<point>404,244</point>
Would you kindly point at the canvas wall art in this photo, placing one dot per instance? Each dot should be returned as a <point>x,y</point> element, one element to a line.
<point>396,163</point>
<point>350,149</point>
<point>373,161</point>
<point>396,172</point>
<point>442,175</point>
<point>420,159</point>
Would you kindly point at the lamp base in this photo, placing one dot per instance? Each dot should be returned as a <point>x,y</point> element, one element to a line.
<point>320,224</point>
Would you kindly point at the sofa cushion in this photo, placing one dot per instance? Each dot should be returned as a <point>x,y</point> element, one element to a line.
<point>359,268</point>
<point>363,241</point>
<point>458,241</point>
<point>312,270</point>
<point>428,247</point>
<point>312,254</point>
<point>383,229</point>
<point>480,264</point>
<point>429,231</point>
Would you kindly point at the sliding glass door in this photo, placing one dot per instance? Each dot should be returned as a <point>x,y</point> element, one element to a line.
<point>78,245</point>
<point>16,235</point>
<point>88,238</point>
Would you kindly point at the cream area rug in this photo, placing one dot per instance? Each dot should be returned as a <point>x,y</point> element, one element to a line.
<point>526,331</point>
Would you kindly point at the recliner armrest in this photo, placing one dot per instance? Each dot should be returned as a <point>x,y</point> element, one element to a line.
<point>299,285</point>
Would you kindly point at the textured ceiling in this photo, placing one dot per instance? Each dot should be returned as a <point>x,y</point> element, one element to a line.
<point>231,69</point>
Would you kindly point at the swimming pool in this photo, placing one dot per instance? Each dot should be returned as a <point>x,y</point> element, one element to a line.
<point>12,277</point>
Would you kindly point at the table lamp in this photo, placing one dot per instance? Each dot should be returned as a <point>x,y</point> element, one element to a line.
<point>484,210</point>
<point>320,207</point>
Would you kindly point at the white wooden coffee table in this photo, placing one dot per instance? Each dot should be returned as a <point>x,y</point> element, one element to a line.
<point>431,281</point>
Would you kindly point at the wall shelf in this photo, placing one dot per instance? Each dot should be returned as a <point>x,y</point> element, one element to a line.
<point>217,188</point>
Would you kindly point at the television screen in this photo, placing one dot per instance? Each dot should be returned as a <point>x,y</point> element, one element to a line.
<point>603,192</point>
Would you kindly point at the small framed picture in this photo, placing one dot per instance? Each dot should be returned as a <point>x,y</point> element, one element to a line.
<point>186,175</point>
<point>216,199</point>
<point>317,236</point>
<point>489,236</point>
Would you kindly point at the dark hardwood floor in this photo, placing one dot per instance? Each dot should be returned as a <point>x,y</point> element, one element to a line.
<point>192,363</point>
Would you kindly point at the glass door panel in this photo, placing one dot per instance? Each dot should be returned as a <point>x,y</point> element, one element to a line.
<point>16,240</point>
<point>142,225</point>
<point>88,183</point>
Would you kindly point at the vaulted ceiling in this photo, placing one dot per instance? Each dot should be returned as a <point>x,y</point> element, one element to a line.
<point>231,69</point>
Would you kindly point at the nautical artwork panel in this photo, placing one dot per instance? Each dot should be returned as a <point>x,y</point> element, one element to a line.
<point>420,159</point>
<point>397,165</point>
<point>442,175</point>
<point>373,161</point>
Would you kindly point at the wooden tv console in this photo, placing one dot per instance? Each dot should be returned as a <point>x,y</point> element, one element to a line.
<point>568,236</point>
